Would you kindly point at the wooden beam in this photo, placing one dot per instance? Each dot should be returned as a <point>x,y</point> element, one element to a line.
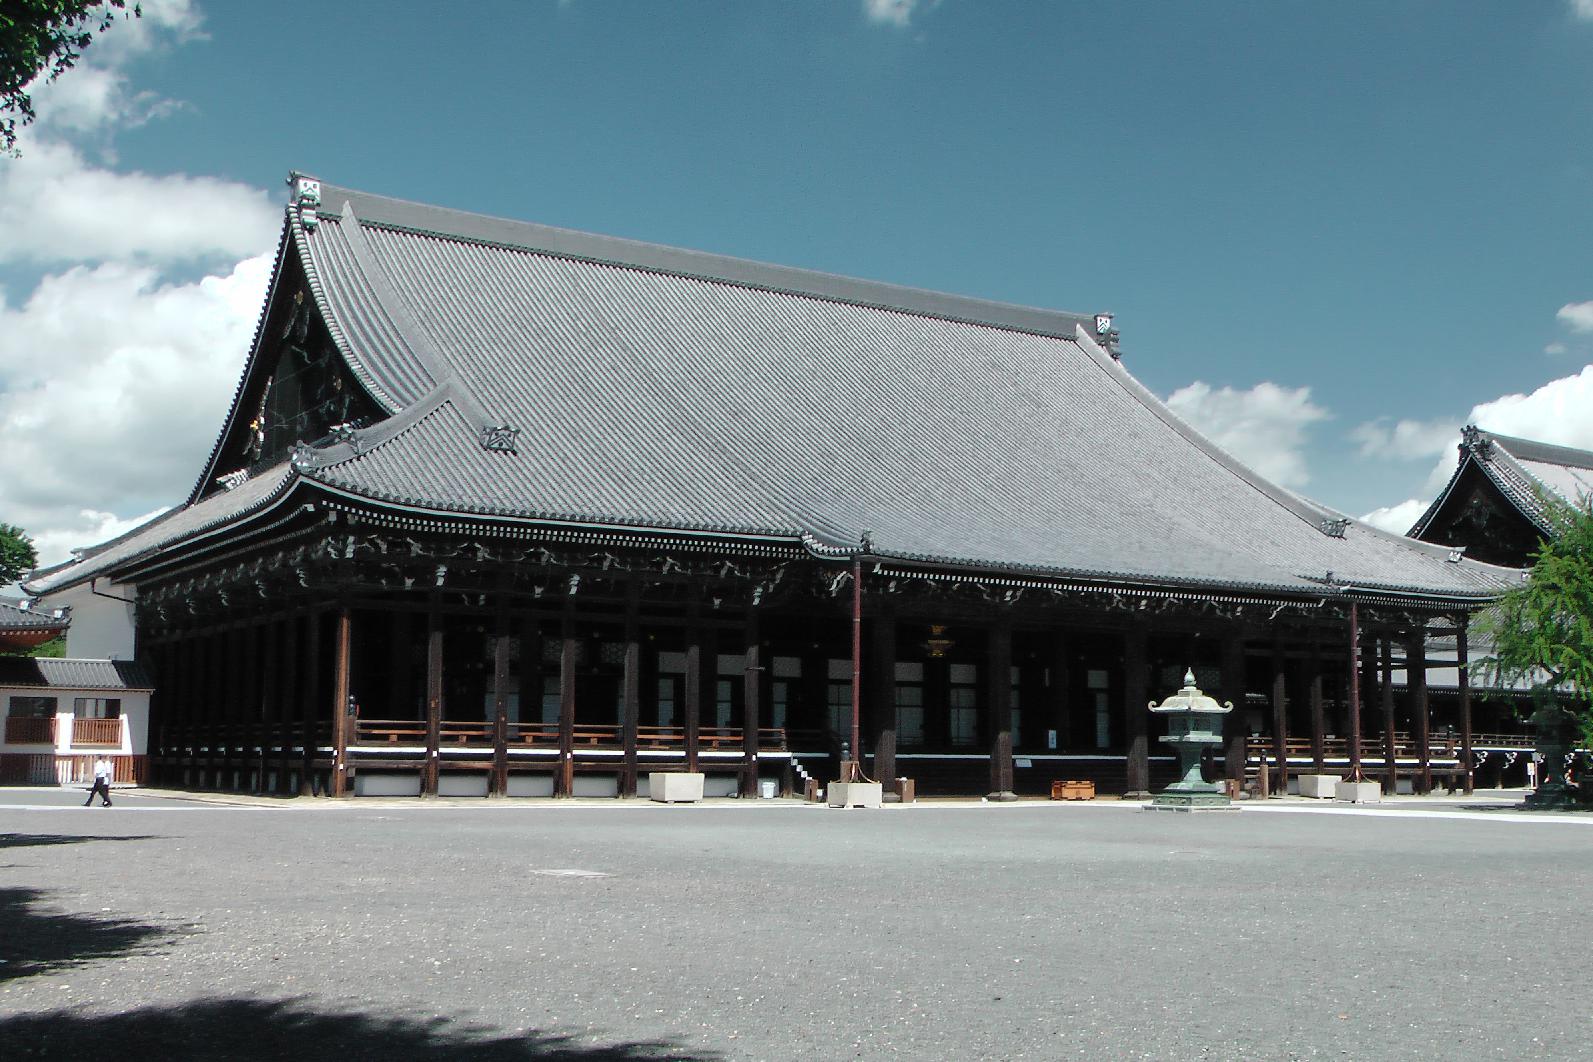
<point>751,706</point>
<point>1385,692</point>
<point>435,684</point>
<point>630,700</point>
<point>341,720</point>
<point>1236,725</point>
<point>1136,664</point>
<point>882,699</point>
<point>1463,662</point>
<point>1280,722</point>
<point>999,685</point>
<point>498,784</point>
<point>1421,721</point>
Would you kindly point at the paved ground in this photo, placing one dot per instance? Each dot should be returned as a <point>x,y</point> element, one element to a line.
<point>172,928</point>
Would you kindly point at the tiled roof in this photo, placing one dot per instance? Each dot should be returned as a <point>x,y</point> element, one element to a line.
<point>1528,473</point>
<point>66,674</point>
<point>664,388</point>
<point>17,617</point>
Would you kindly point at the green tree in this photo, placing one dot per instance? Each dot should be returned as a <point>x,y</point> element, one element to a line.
<point>44,37</point>
<point>1539,635</point>
<point>17,555</point>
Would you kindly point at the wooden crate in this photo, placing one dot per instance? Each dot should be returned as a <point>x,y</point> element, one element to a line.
<point>1073,790</point>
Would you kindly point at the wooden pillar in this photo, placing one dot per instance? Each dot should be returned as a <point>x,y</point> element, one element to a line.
<point>288,700</point>
<point>882,695</point>
<point>340,692</point>
<point>270,701</point>
<point>1235,725</point>
<point>691,694</point>
<point>434,696</point>
<point>752,707</point>
<point>232,684</point>
<point>1318,708</point>
<point>1136,710</point>
<point>999,685</point>
<point>1280,721</point>
<point>1060,705</point>
<point>1385,692</point>
<point>1353,684</point>
<point>499,784</point>
<point>309,731</point>
<point>564,782</point>
<point>1416,685</point>
<point>630,698</point>
<point>401,673</point>
<point>1463,669</point>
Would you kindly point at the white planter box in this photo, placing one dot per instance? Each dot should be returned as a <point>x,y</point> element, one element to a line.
<point>675,787</point>
<point>1321,786</point>
<point>856,795</point>
<point>1359,792</point>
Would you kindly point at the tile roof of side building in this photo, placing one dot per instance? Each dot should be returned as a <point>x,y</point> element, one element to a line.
<point>668,389</point>
<point>1527,472</point>
<point>72,674</point>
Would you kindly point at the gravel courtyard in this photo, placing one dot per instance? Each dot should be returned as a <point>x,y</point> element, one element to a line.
<point>172,928</point>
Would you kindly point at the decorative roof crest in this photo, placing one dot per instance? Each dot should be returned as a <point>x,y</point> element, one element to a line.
<point>306,196</point>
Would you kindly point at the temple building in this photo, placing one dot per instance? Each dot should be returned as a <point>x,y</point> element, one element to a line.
<point>1493,505</point>
<point>506,509</point>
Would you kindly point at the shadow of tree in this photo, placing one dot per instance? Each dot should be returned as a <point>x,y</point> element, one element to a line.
<point>34,941</point>
<point>29,840</point>
<point>293,1029</point>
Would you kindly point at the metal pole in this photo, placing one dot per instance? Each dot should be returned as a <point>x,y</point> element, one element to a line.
<point>857,664</point>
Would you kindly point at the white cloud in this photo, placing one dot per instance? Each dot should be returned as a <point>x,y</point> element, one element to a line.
<point>1582,9</point>
<point>1555,348</point>
<point>1406,440</point>
<point>1559,412</point>
<point>1577,316</point>
<point>1397,518</point>
<point>1264,426</point>
<point>890,12</point>
<point>115,370</point>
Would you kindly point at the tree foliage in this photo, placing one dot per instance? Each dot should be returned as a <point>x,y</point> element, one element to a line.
<point>44,37</point>
<point>17,555</point>
<point>1539,635</point>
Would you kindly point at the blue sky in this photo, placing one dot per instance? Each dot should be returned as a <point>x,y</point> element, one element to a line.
<point>1332,233</point>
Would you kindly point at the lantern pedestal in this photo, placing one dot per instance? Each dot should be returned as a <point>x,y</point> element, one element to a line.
<point>1194,724</point>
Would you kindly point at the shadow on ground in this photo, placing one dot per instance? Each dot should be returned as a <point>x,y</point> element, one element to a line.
<point>30,840</point>
<point>293,1029</point>
<point>36,941</point>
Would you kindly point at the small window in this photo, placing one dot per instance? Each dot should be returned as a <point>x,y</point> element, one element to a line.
<point>97,707</point>
<point>32,707</point>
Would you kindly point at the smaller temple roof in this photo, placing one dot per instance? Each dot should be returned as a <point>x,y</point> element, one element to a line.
<point>23,628</point>
<point>1528,473</point>
<point>29,672</point>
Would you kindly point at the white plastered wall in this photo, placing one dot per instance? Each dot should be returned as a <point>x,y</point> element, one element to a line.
<point>102,620</point>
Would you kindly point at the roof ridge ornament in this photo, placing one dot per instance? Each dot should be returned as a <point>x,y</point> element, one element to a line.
<point>500,438</point>
<point>306,197</point>
<point>1334,528</point>
<point>1477,441</point>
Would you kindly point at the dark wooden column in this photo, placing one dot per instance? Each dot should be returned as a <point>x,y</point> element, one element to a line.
<point>288,700</point>
<point>1463,676</point>
<point>1318,708</point>
<point>630,699</point>
<point>1136,710</point>
<point>499,784</point>
<point>1060,713</point>
<point>309,731</point>
<point>271,737</point>
<point>564,781</point>
<point>340,690</point>
<point>1353,685</point>
<point>401,676</point>
<point>434,696</point>
<point>1385,692</point>
<point>691,694</point>
<point>882,693</point>
<point>1280,722</point>
<point>1235,725</point>
<point>999,687</point>
<point>752,707</point>
<point>234,693</point>
<point>1416,685</point>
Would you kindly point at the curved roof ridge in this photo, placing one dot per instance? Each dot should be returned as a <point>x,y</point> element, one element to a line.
<point>468,227</point>
<point>1546,453</point>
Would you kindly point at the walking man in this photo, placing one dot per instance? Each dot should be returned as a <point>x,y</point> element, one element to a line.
<point>102,783</point>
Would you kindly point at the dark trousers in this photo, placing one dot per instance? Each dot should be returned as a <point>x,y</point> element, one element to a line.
<point>102,786</point>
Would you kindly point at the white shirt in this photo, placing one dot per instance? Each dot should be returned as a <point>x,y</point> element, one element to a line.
<point>103,769</point>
